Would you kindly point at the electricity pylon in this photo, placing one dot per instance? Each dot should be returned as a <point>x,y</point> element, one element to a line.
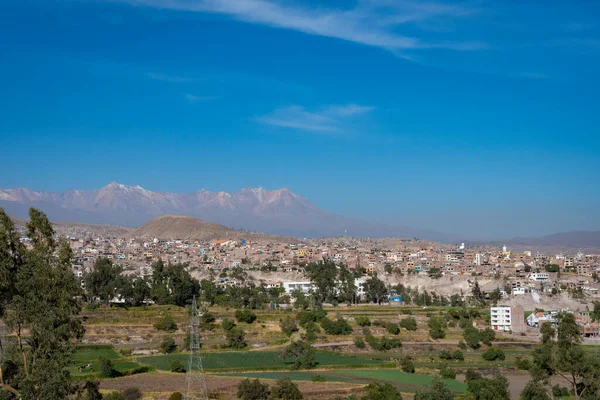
<point>196,384</point>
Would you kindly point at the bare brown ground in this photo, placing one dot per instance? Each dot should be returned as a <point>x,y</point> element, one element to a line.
<point>158,386</point>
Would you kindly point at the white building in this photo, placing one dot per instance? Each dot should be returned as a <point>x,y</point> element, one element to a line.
<point>291,286</point>
<point>479,259</point>
<point>501,318</point>
<point>539,276</point>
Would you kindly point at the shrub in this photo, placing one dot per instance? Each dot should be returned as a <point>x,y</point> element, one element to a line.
<point>487,336</point>
<point>253,390</point>
<point>246,316</point>
<point>377,391</point>
<point>132,393</point>
<point>379,322</point>
<point>493,353</point>
<point>168,345</point>
<point>523,363</point>
<point>359,343</point>
<point>236,338</point>
<point>472,337</point>
<point>394,329</point>
<point>227,324</point>
<point>176,396</point>
<point>363,321</point>
<point>113,396</point>
<point>445,355</point>
<point>437,327</point>
<point>458,355</point>
<point>407,365</point>
<point>285,389</point>
<point>125,352</point>
<point>207,317</point>
<point>166,323</point>
<point>288,325</point>
<point>462,345</point>
<point>560,391</point>
<point>318,378</point>
<point>383,344</point>
<point>338,327</point>
<point>472,375</point>
<point>410,324</point>
<point>177,366</point>
<point>447,373</point>
<point>107,369</point>
<point>302,353</point>
<point>304,317</point>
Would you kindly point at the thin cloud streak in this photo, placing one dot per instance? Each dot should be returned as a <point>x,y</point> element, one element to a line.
<point>193,98</point>
<point>371,22</point>
<point>329,119</point>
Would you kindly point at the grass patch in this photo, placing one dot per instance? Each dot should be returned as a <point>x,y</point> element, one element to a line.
<point>252,360</point>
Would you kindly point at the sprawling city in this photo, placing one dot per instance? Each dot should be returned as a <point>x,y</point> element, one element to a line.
<point>285,200</point>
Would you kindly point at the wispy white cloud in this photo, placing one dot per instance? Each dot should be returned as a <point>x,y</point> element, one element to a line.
<point>331,119</point>
<point>370,22</point>
<point>194,98</point>
<point>171,78</point>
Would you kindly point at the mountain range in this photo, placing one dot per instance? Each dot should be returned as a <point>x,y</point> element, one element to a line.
<point>279,212</point>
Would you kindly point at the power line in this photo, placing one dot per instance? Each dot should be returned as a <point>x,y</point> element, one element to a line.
<point>196,384</point>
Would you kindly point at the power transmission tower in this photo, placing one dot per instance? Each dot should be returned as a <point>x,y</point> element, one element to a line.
<point>196,384</point>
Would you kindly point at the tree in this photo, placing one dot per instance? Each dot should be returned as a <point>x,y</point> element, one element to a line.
<point>437,327</point>
<point>437,391</point>
<point>38,294</point>
<point>167,345</point>
<point>246,316</point>
<point>407,365</point>
<point>535,390</point>
<point>471,336</point>
<point>381,391</point>
<point>323,277</point>
<point>104,281</point>
<point>285,389</point>
<point>253,390</point>
<point>495,388</point>
<point>107,368</point>
<point>166,323</point>
<point>176,396</point>
<point>409,323</point>
<point>477,293</point>
<point>493,353</point>
<point>208,291</point>
<point>177,366</point>
<point>302,353</point>
<point>375,289</point>
<point>227,324</point>
<point>346,285</point>
<point>595,314</point>
<point>288,325</point>
<point>236,338</point>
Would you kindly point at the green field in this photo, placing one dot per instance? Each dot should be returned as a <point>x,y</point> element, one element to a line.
<point>252,360</point>
<point>92,355</point>
<point>406,382</point>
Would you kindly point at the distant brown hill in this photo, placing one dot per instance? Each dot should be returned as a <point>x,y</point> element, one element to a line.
<point>189,228</point>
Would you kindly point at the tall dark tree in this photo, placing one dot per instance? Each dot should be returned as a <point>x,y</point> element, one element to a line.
<point>323,276</point>
<point>375,289</point>
<point>346,286</point>
<point>40,298</point>
<point>105,280</point>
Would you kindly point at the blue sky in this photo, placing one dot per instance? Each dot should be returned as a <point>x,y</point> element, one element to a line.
<point>473,117</point>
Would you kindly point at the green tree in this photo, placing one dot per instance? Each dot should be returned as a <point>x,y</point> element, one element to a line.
<point>236,338</point>
<point>167,345</point>
<point>407,365</point>
<point>132,393</point>
<point>438,390</point>
<point>323,276</point>
<point>375,289</point>
<point>346,286</point>
<point>495,388</point>
<point>209,291</point>
<point>472,337</point>
<point>104,281</point>
<point>285,389</point>
<point>493,353</point>
<point>302,353</point>
<point>437,327</point>
<point>253,390</point>
<point>535,390</point>
<point>177,366</point>
<point>408,323</point>
<point>38,294</point>
<point>246,316</point>
<point>381,391</point>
